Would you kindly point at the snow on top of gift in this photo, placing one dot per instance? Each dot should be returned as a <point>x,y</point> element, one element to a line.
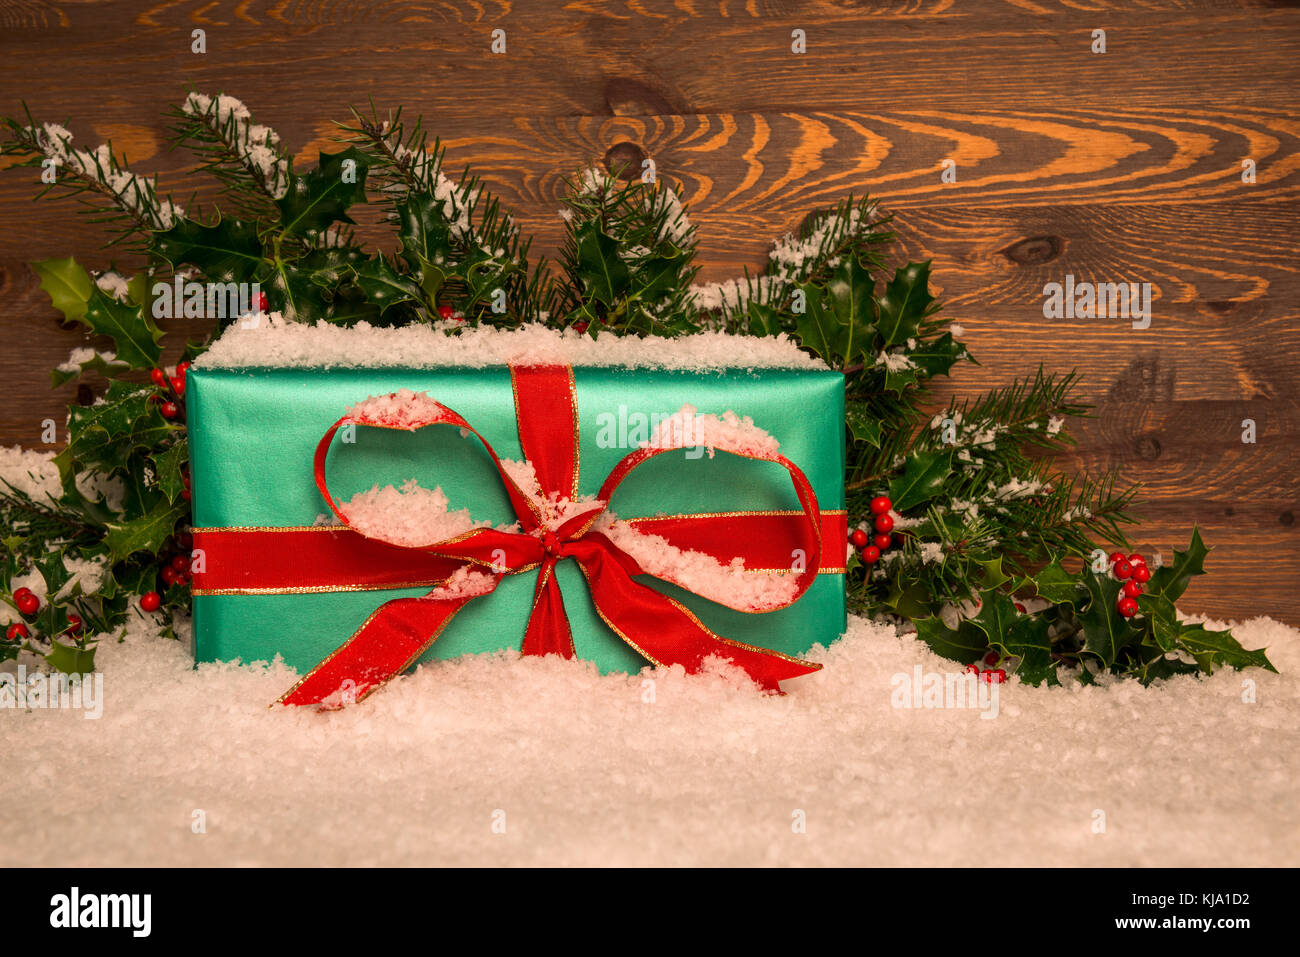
<point>402,409</point>
<point>263,341</point>
<point>688,428</point>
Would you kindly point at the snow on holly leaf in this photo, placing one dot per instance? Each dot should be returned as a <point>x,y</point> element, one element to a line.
<point>923,476</point>
<point>227,251</point>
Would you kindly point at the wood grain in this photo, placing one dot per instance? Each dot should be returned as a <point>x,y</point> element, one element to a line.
<point>1125,166</point>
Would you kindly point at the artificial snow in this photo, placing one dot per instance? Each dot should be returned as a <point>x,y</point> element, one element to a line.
<point>272,342</point>
<point>504,760</point>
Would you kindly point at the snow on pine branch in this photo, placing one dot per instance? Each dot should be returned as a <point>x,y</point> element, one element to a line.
<point>256,147</point>
<point>98,168</point>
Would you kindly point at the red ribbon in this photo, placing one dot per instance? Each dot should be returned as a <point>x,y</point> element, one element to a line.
<point>658,627</point>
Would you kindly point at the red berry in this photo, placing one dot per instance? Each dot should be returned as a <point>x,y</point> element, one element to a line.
<point>1136,559</point>
<point>185,539</point>
<point>446,312</point>
<point>186,495</point>
<point>884,540</point>
<point>881,504</point>
<point>580,327</point>
<point>992,658</point>
<point>973,669</point>
<point>1116,557</point>
<point>158,377</point>
<point>871,554</point>
<point>183,579</point>
<point>181,563</point>
<point>996,676</point>
<point>884,523</point>
<point>168,575</point>
<point>17,631</point>
<point>19,592</point>
<point>74,624</point>
<point>1128,607</point>
<point>1019,607</point>
<point>1141,574</point>
<point>178,385</point>
<point>27,604</point>
<point>262,304</point>
<point>170,410</point>
<point>859,538</point>
<point>182,368</point>
<point>1123,569</point>
<point>150,601</point>
<point>1132,589</point>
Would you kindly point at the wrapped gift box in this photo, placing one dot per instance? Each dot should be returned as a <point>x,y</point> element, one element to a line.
<point>256,415</point>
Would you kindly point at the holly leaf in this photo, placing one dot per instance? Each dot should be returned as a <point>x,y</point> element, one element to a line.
<point>1026,638</point>
<point>939,356</point>
<point>923,476</point>
<point>321,197</point>
<point>108,368</point>
<point>602,273</point>
<point>1057,585</point>
<point>132,330</point>
<point>384,286</point>
<point>144,534</point>
<point>965,643</point>
<point>228,251</point>
<point>1106,631</point>
<point>69,659</point>
<point>424,231</point>
<point>863,426</point>
<point>168,466</point>
<point>904,303</point>
<point>762,319</point>
<point>67,284</point>
<point>837,320</point>
<point>1221,647</point>
<point>1172,580</point>
<point>996,614</point>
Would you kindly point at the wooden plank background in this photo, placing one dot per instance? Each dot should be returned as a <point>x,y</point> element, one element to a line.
<point>1122,166</point>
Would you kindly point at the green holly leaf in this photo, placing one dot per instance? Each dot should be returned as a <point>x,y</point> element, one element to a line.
<point>384,286</point>
<point>837,322</point>
<point>904,303</point>
<point>996,614</point>
<point>424,231</point>
<point>1221,647</point>
<point>69,659</point>
<point>132,330</point>
<point>228,251</point>
<point>965,643</point>
<point>923,477</point>
<point>321,197</point>
<point>108,368</point>
<point>168,465</point>
<point>762,319</point>
<point>1172,580</point>
<point>939,356</point>
<point>1026,638</point>
<point>994,576</point>
<point>144,534</point>
<point>67,284</point>
<point>1057,585</point>
<point>603,274</point>
<point>1106,632</point>
<point>864,426</point>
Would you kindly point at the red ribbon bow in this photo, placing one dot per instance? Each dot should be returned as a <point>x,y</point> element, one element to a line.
<point>658,627</point>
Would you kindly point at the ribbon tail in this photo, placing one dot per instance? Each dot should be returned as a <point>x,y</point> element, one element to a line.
<point>548,630</point>
<point>666,632</point>
<point>388,643</point>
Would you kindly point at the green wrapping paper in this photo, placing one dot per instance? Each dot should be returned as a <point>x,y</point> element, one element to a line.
<point>253,433</point>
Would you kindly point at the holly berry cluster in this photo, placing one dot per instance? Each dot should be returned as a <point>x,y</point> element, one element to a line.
<point>871,546</point>
<point>1133,572</point>
<point>25,600</point>
<point>172,399</point>
<point>991,675</point>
